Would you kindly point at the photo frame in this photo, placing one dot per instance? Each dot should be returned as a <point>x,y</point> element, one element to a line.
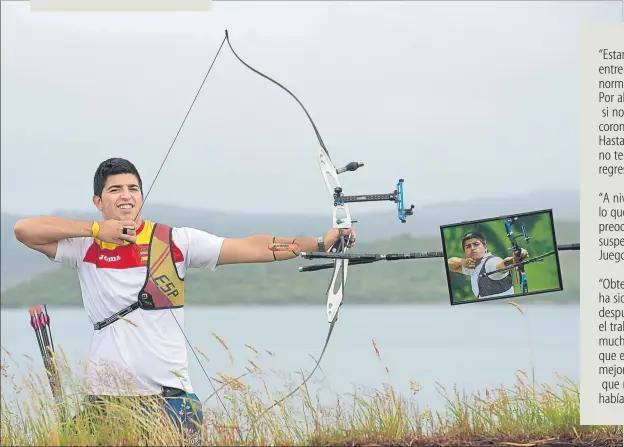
<point>485,258</point>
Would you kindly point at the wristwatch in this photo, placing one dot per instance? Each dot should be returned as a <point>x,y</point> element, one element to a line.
<point>320,243</point>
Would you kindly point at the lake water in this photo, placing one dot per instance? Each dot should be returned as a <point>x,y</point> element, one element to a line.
<point>474,346</point>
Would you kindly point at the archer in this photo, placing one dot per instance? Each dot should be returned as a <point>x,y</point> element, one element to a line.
<point>479,260</point>
<point>131,274</point>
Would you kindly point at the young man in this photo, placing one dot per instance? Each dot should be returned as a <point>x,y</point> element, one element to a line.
<point>479,260</point>
<point>131,277</point>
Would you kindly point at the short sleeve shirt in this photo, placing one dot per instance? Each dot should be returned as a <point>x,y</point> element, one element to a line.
<point>146,350</point>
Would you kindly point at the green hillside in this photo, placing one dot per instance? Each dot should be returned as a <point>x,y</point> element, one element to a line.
<point>282,283</point>
<point>18,263</point>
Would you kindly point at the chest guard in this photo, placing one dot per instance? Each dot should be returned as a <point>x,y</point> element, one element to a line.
<point>488,286</point>
<point>163,287</point>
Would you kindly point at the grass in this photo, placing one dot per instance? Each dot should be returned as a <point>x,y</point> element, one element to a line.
<point>528,413</point>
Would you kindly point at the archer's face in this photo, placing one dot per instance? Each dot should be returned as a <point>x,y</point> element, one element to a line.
<point>121,198</point>
<point>474,248</point>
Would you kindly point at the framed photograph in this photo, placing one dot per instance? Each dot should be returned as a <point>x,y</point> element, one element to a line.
<point>501,257</point>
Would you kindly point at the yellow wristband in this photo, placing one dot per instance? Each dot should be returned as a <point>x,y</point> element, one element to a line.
<point>95,229</point>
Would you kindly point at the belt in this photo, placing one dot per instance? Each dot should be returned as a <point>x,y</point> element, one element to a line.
<point>168,391</point>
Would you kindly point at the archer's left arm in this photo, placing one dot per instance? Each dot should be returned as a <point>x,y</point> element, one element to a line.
<point>507,262</point>
<point>512,259</point>
<point>266,248</point>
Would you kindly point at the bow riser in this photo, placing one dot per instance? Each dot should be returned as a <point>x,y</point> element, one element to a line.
<point>335,291</point>
<point>521,277</point>
<point>341,218</point>
<point>341,213</point>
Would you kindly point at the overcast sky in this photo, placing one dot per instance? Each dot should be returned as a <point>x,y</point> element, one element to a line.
<point>462,99</point>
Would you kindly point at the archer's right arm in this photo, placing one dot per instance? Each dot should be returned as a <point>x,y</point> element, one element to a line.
<point>456,264</point>
<point>42,233</point>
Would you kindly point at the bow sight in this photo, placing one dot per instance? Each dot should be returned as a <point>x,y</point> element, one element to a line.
<point>396,196</point>
<point>512,237</point>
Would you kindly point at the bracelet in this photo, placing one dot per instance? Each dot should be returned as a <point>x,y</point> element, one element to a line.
<point>274,258</point>
<point>95,229</point>
<point>320,243</point>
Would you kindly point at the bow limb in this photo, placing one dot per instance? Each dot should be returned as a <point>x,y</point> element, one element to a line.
<point>341,215</point>
<point>317,133</point>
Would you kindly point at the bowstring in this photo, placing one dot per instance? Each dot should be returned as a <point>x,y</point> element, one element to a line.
<point>137,250</point>
<point>139,213</point>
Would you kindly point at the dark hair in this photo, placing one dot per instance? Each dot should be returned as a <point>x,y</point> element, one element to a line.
<point>472,235</point>
<point>113,166</point>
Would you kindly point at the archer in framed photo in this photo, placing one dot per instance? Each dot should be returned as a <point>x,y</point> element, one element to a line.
<point>501,257</point>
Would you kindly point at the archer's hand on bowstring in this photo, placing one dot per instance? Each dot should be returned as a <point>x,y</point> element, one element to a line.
<point>112,231</point>
<point>468,263</point>
<point>334,234</point>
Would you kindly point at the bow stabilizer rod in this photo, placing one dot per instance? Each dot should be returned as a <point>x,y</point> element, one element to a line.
<point>372,257</point>
<point>539,258</point>
<point>369,258</point>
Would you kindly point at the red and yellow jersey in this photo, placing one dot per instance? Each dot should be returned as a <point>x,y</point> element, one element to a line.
<point>146,347</point>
